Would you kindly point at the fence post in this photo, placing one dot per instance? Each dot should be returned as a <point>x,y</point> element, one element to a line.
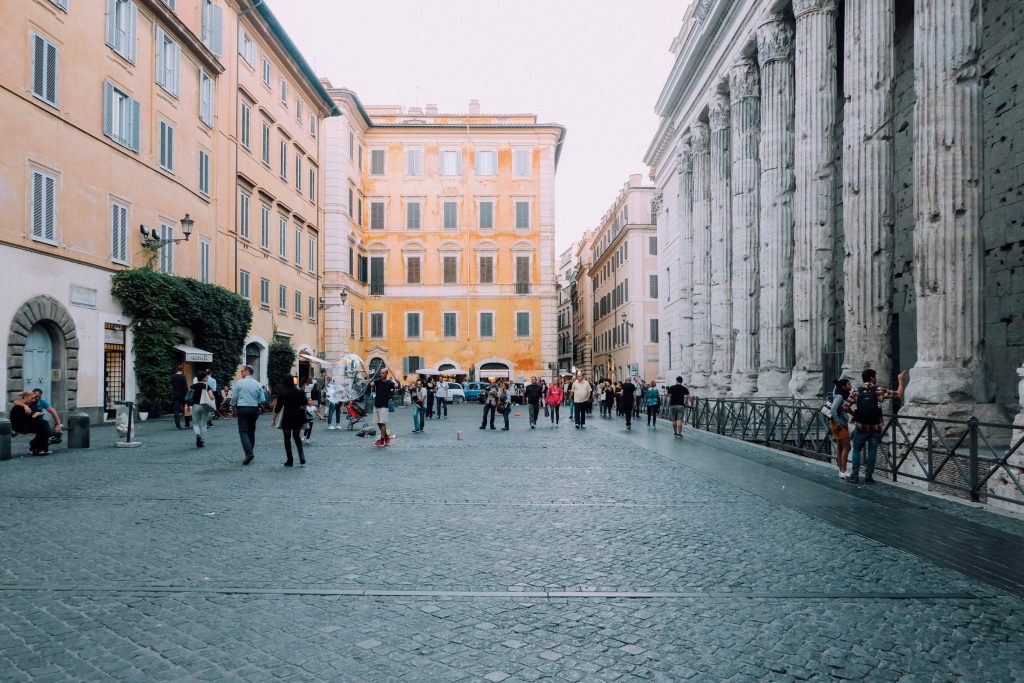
<point>892,447</point>
<point>721,418</point>
<point>972,425</point>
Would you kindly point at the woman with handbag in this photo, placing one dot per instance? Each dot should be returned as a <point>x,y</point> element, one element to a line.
<point>839,424</point>
<point>203,404</point>
<point>291,409</point>
<point>553,402</point>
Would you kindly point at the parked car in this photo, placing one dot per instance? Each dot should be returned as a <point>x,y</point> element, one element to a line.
<point>472,391</point>
<point>456,394</point>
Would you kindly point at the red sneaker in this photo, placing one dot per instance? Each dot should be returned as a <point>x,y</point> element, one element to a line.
<point>387,442</point>
<point>379,442</point>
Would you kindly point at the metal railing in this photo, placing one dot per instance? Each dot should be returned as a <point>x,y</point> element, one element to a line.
<point>522,288</point>
<point>376,288</point>
<point>980,460</point>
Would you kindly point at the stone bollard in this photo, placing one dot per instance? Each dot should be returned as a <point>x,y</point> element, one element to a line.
<point>5,439</point>
<point>78,430</point>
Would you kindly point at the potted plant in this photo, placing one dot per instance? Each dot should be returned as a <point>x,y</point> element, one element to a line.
<point>143,405</point>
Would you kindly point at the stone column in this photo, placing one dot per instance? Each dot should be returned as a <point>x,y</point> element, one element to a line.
<point>745,95</point>
<point>685,172</point>
<point>868,216</point>
<point>701,255</point>
<point>814,224</point>
<point>721,244</point>
<point>949,377</point>
<point>775,257</point>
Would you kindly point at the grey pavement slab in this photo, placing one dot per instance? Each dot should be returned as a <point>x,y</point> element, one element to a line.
<point>548,554</point>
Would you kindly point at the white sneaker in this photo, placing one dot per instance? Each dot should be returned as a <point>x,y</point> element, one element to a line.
<point>844,475</point>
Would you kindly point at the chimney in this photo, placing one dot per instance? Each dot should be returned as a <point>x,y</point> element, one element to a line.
<point>431,110</point>
<point>474,107</point>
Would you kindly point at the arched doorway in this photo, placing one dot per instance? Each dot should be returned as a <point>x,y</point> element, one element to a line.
<point>495,369</point>
<point>376,363</point>
<point>253,357</point>
<point>37,359</point>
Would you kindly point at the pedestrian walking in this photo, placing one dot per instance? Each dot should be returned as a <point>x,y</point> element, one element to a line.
<point>505,396</point>
<point>441,396</point>
<point>626,398</point>
<point>839,424</point>
<point>490,406</point>
<point>383,387</point>
<point>335,405</point>
<point>311,412</point>
<point>291,409</point>
<point>867,421</point>
<point>316,395</point>
<point>609,399</point>
<point>419,406</point>
<point>431,394</point>
<point>678,397</point>
<point>581,393</point>
<point>204,403</point>
<point>653,404</point>
<point>246,399</point>
<point>641,391</point>
<point>179,387</point>
<point>533,393</point>
<point>554,402</point>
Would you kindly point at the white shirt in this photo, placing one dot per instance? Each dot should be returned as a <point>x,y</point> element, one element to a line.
<point>442,390</point>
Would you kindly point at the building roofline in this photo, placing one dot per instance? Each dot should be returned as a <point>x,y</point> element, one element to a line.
<point>293,51</point>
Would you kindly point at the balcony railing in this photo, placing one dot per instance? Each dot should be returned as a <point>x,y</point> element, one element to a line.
<point>376,288</point>
<point>522,288</point>
<point>968,458</point>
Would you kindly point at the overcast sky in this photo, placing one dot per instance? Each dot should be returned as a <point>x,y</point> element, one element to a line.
<point>595,66</point>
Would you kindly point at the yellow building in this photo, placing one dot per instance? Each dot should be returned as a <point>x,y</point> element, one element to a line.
<point>454,266</point>
<point>124,114</point>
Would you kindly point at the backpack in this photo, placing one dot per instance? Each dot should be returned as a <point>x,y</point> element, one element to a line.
<point>868,412</point>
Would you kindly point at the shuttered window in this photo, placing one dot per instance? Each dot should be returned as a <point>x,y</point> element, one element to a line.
<point>166,146</point>
<point>167,250</point>
<point>654,330</point>
<point>298,246</point>
<point>376,215</point>
<point>522,269</point>
<point>298,304</point>
<point>412,216</point>
<point>486,325</point>
<point>312,184</point>
<point>265,147</point>
<point>206,98</point>
<point>243,283</point>
<point>451,325</point>
<point>451,162</point>
<point>311,261</point>
<point>412,325</point>
<point>121,117</point>
<point>118,233</point>
<point>487,215</point>
<point>284,159</point>
<point>653,284</point>
<point>244,125</point>
<point>266,71</point>
<point>451,269</point>
<point>652,246</point>
<point>376,266</point>
<point>264,292</point>
<point>282,237</point>
<point>486,162</point>
<point>213,27</point>
<point>376,162</point>
<point>282,298</point>
<point>412,364</point>
<point>376,325</point>
<point>412,270</point>
<point>486,270</point>
<point>413,161</point>
<point>44,69</point>
<point>204,172</point>
<point>298,172</point>
<point>122,17</point>
<point>521,163</point>
<point>522,214</point>
<point>522,323</point>
<point>247,47</point>
<point>265,226</point>
<point>243,215</point>
<point>451,215</point>
<point>204,261</point>
<point>44,207</point>
<point>168,62</point>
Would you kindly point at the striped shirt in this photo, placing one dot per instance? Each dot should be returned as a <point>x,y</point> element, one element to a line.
<point>882,393</point>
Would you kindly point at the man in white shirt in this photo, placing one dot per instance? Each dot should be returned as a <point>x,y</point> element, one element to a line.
<point>441,398</point>
<point>581,393</point>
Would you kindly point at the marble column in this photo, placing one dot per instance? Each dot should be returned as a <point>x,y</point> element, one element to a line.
<point>868,215</point>
<point>745,96</point>
<point>721,243</point>
<point>949,376</point>
<point>775,257</point>
<point>685,174</point>
<point>701,255</point>
<point>814,200</point>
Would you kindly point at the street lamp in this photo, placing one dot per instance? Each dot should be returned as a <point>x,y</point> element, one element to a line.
<point>343,295</point>
<point>151,238</point>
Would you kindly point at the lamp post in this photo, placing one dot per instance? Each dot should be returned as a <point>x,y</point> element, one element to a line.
<point>628,325</point>
<point>343,295</point>
<point>151,238</point>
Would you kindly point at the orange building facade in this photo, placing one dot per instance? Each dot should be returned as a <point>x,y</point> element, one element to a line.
<point>441,229</point>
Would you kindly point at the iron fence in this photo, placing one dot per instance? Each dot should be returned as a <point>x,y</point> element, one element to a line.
<point>979,460</point>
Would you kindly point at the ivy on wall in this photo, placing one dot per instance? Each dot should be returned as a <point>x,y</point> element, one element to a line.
<point>158,303</point>
<point>280,359</point>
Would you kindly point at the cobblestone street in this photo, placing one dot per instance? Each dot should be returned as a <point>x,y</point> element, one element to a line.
<point>553,554</point>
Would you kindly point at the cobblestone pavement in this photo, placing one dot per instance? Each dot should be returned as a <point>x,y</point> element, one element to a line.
<point>553,554</point>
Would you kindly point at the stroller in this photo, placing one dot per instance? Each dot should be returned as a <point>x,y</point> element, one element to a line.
<point>356,414</point>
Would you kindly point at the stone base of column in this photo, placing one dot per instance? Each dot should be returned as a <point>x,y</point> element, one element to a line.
<point>700,380</point>
<point>743,384</point>
<point>773,383</point>
<point>805,383</point>
<point>985,412</point>
<point>943,384</point>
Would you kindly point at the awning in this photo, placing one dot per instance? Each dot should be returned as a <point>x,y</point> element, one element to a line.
<point>194,355</point>
<point>314,359</point>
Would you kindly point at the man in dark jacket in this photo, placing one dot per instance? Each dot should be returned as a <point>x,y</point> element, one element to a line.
<point>533,393</point>
<point>179,387</point>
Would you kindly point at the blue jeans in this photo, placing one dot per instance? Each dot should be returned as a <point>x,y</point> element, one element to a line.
<point>247,416</point>
<point>417,417</point>
<point>335,410</point>
<point>860,437</point>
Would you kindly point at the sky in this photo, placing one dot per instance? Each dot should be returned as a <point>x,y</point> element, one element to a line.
<point>595,66</point>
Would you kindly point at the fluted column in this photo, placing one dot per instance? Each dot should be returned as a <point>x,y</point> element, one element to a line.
<point>947,205</point>
<point>701,255</point>
<point>868,217</point>
<point>745,96</point>
<point>814,223</point>
<point>721,243</point>
<point>775,257</point>
<point>685,212</point>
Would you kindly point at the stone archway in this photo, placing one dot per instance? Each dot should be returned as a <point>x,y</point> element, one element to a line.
<point>46,313</point>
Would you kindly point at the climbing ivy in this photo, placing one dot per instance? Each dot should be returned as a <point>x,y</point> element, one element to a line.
<point>280,359</point>
<point>158,303</point>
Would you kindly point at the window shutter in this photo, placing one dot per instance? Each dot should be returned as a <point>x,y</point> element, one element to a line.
<point>175,68</point>
<point>136,117</point>
<point>133,15</point>
<point>51,73</point>
<point>161,58</point>
<point>108,105</point>
<point>38,66</point>
<point>111,22</point>
<point>405,365</point>
<point>216,30</point>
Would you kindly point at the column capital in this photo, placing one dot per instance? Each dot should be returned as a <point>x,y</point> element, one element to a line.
<point>684,155</point>
<point>775,40</point>
<point>744,80</point>
<point>700,135</point>
<point>719,110</point>
<point>803,7</point>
